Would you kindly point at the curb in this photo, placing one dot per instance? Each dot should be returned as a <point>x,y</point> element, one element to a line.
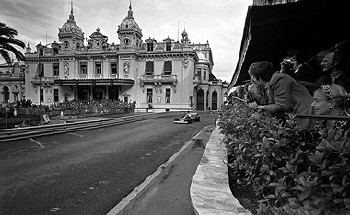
<point>143,187</point>
<point>210,192</point>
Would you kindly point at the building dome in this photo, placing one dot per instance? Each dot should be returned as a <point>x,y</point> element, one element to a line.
<point>97,34</point>
<point>129,23</point>
<point>71,27</point>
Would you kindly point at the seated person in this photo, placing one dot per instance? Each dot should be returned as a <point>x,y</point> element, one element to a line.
<point>331,100</point>
<point>286,95</point>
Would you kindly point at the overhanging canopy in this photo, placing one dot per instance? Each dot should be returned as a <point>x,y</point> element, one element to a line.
<point>308,26</point>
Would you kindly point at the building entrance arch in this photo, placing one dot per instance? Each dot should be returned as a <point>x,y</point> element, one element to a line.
<point>200,99</point>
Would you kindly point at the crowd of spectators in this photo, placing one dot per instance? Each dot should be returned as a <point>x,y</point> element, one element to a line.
<point>74,107</point>
<point>318,86</point>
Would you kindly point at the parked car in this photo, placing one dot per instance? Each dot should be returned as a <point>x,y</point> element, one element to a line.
<point>186,119</point>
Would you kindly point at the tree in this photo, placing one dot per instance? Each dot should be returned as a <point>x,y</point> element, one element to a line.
<point>7,40</point>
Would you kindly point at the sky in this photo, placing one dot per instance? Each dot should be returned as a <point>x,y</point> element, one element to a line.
<point>220,22</point>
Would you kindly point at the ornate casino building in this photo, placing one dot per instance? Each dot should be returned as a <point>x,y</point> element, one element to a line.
<point>167,75</point>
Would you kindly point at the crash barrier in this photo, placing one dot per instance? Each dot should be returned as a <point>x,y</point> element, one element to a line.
<point>73,125</point>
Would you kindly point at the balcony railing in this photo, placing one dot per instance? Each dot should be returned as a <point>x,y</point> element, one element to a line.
<point>160,79</point>
<point>42,80</point>
<point>11,77</point>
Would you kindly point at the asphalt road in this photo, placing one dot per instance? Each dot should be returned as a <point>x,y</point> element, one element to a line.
<point>87,172</point>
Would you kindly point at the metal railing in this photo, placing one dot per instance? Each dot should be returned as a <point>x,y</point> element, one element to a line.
<point>324,117</point>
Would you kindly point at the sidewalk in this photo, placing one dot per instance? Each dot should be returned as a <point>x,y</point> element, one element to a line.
<point>193,181</point>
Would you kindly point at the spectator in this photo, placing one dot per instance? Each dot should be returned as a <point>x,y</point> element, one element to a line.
<point>255,93</point>
<point>335,66</point>
<point>331,100</point>
<point>290,64</point>
<point>286,95</point>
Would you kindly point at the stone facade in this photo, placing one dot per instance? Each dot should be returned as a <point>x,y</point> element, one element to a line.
<point>167,75</point>
<point>11,82</point>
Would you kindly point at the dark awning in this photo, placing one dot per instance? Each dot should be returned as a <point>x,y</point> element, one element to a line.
<point>308,26</point>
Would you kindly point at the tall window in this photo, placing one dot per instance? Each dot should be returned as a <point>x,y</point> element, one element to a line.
<point>41,95</point>
<point>56,69</point>
<point>98,68</point>
<point>83,68</point>
<point>149,95</point>
<point>55,95</point>
<point>41,70</point>
<point>149,67</point>
<point>199,74</point>
<point>114,68</point>
<point>167,96</point>
<point>168,46</point>
<point>167,67</point>
<point>204,74</point>
<point>149,47</point>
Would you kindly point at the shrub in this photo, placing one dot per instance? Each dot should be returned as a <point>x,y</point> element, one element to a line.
<point>291,171</point>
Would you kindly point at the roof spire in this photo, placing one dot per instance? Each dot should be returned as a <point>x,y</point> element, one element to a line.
<point>71,16</point>
<point>130,13</point>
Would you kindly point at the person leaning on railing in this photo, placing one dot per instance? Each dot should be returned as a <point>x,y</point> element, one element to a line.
<point>285,94</point>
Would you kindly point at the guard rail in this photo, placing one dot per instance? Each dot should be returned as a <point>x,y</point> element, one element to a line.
<point>34,131</point>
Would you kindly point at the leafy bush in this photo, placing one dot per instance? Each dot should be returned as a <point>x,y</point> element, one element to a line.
<point>292,171</point>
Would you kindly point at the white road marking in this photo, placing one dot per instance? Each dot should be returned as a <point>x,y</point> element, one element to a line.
<point>78,135</point>
<point>37,142</point>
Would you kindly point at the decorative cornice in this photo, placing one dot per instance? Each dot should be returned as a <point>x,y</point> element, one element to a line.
<point>166,55</point>
<point>43,59</point>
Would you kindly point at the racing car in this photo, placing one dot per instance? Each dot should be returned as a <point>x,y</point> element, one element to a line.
<point>186,119</point>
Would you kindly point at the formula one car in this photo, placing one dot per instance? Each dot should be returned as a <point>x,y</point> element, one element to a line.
<point>186,119</point>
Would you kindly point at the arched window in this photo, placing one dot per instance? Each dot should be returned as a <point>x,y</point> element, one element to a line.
<point>200,99</point>
<point>6,92</point>
<point>214,99</point>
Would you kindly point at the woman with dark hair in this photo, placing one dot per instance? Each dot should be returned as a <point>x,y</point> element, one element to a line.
<point>286,95</point>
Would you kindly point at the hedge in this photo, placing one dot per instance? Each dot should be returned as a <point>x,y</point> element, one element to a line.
<point>291,171</point>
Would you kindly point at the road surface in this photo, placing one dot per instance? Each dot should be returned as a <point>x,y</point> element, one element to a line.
<point>87,172</point>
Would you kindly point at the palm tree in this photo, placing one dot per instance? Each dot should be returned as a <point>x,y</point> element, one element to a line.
<point>7,40</point>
